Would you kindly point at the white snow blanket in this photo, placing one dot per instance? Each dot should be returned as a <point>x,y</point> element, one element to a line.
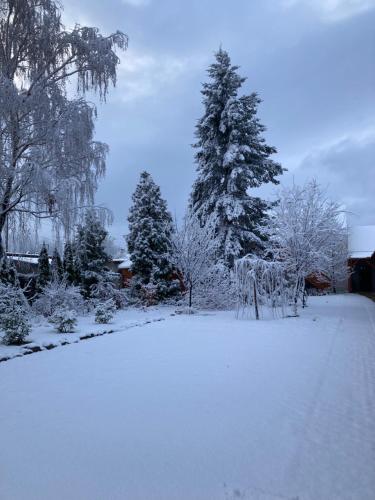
<point>198,407</point>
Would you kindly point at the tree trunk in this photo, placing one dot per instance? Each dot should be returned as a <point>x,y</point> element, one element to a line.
<point>256,302</point>
<point>304,300</point>
<point>296,293</point>
<point>190,294</point>
<point>2,224</point>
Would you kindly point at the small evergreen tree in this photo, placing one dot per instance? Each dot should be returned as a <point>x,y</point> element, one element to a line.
<point>232,157</point>
<point>150,229</point>
<point>13,315</point>
<point>44,270</point>
<point>70,273</point>
<point>90,255</point>
<point>105,311</point>
<point>57,271</point>
<point>8,273</point>
<point>64,320</point>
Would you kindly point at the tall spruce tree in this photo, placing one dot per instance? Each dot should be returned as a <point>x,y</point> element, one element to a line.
<point>57,271</point>
<point>90,255</point>
<point>231,158</point>
<point>149,239</point>
<point>44,270</point>
<point>70,274</point>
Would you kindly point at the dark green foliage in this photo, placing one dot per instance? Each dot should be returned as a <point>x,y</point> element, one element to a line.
<point>150,229</point>
<point>44,270</point>
<point>90,257</point>
<point>57,270</point>
<point>70,273</point>
<point>8,273</point>
<point>231,158</point>
<point>14,321</point>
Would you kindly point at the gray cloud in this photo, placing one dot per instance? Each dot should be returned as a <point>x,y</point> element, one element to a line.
<point>315,74</point>
<point>334,10</point>
<point>347,168</point>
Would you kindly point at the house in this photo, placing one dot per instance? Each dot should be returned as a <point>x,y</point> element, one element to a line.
<point>25,263</point>
<point>362,259</point>
<point>123,268</point>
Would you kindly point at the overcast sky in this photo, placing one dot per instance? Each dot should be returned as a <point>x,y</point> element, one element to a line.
<point>311,61</point>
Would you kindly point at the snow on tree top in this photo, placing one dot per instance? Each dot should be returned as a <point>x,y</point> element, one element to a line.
<point>361,241</point>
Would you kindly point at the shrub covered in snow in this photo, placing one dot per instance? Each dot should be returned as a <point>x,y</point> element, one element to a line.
<point>107,288</point>
<point>104,311</point>
<point>217,290</point>
<point>13,315</point>
<point>64,320</point>
<point>16,326</point>
<point>58,295</point>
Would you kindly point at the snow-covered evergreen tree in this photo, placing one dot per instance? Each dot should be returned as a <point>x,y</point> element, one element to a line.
<point>64,320</point>
<point>90,256</point>
<point>8,273</point>
<point>150,229</point>
<point>232,157</point>
<point>70,274</point>
<point>57,270</point>
<point>58,295</point>
<point>14,310</point>
<point>44,269</point>
<point>105,311</point>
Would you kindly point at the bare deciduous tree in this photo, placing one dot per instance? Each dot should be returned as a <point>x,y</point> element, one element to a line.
<point>194,250</point>
<point>306,231</point>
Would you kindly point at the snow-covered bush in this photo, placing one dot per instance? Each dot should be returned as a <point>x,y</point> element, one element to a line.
<point>14,311</point>
<point>217,290</point>
<point>105,311</point>
<point>58,295</point>
<point>107,288</point>
<point>146,292</point>
<point>15,325</point>
<point>64,320</point>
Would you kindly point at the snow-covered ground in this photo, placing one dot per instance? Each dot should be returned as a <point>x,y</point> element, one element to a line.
<point>200,407</point>
<point>44,336</point>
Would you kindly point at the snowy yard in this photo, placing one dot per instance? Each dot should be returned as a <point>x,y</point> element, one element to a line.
<point>201,407</point>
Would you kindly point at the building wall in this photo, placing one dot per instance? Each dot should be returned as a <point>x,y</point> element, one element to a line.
<point>362,278</point>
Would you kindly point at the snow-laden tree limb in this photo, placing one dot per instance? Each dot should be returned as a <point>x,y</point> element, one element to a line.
<point>260,282</point>
<point>307,235</point>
